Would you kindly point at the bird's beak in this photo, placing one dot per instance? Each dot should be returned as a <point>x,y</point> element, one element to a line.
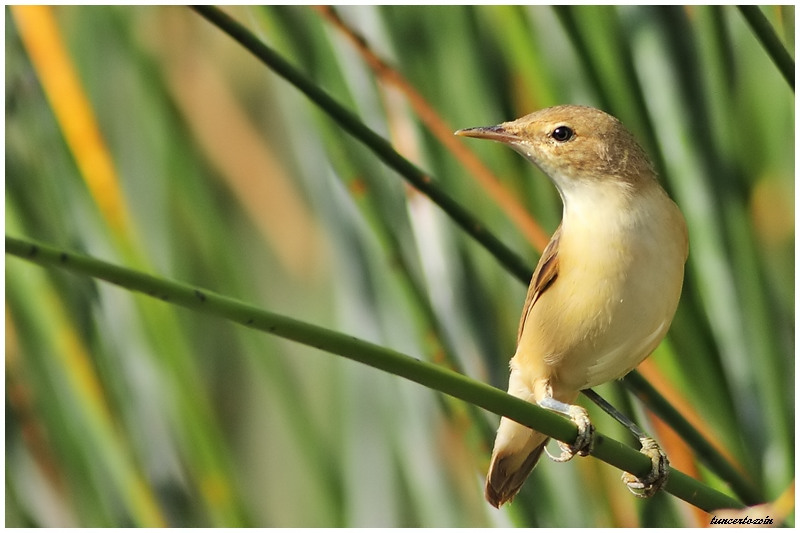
<point>495,133</point>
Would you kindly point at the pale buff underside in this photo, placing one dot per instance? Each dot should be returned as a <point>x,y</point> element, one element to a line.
<point>617,289</point>
<point>611,304</point>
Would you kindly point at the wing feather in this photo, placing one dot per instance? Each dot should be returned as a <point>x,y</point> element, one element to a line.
<point>543,277</point>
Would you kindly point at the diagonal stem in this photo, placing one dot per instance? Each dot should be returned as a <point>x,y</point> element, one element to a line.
<point>427,374</point>
<point>707,454</point>
<point>355,127</point>
<point>770,41</point>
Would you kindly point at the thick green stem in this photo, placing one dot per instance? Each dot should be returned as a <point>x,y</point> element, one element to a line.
<point>424,373</point>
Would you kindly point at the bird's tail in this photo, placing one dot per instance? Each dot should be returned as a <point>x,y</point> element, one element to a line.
<point>517,449</point>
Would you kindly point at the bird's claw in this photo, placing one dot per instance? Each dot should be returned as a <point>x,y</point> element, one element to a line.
<point>583,443</point>
<point>647,486</point>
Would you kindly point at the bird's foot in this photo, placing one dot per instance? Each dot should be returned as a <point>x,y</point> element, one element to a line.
<point>583,443</point>
<point>647,486</point>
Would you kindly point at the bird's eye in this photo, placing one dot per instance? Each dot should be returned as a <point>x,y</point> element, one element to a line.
<point>562,134</point>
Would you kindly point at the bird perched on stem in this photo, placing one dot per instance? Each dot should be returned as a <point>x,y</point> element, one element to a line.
<point>606,287</point>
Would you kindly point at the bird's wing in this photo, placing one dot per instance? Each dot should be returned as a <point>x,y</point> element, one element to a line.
<point>543,277</point>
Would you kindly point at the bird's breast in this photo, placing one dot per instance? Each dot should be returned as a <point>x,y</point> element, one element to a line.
<point>617,289</point>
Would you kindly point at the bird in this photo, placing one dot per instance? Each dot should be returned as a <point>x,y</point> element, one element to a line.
<point>606,287</point>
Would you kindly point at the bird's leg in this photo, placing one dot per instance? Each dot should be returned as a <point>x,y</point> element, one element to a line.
<point>583,443</point>
<point>650,484</point>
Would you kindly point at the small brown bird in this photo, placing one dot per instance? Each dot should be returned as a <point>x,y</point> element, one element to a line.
<point>606,287</point>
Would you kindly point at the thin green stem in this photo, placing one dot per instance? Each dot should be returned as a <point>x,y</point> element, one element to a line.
<point>382,148</point>
<point>427,374</point>
<point>770,41</point>
<point>707,454</point>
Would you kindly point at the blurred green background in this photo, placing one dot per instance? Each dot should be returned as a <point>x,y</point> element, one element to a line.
<point>147,137</point>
